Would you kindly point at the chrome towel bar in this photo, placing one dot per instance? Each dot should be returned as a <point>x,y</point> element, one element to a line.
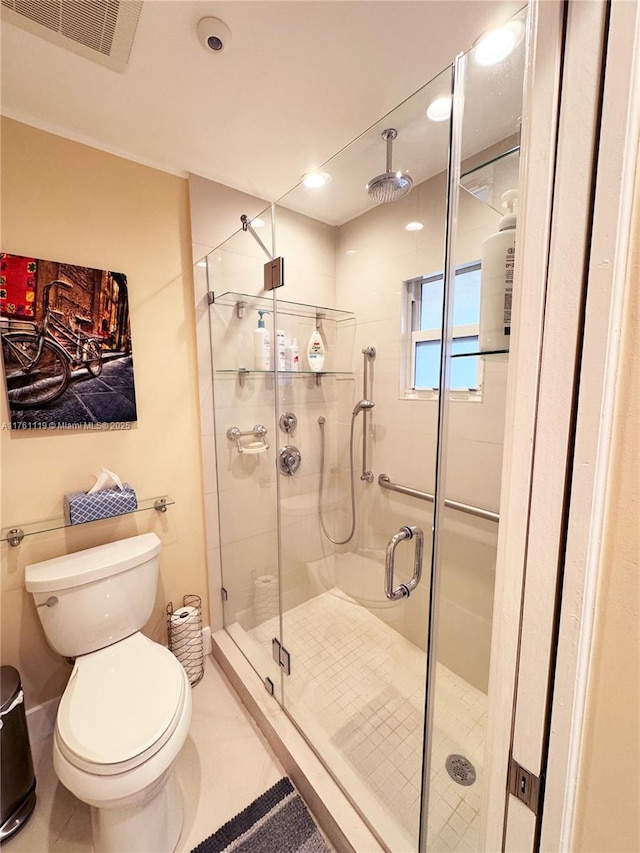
<point>384,481</point>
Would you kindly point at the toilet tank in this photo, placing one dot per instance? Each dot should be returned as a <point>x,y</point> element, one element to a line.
<point>93,598</point>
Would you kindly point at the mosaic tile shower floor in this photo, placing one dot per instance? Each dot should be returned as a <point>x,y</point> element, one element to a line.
<point>357,691</point>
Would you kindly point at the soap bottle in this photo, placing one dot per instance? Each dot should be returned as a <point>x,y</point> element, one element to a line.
<point>498,261</point>
<point>261,345</point>
<point>315,351</point>
<point>280,338</point>
<point>292,356</point>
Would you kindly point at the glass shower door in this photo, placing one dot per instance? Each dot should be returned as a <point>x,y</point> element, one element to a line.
<point>356,687</point>
<point>364,451</point>
<point>476,336</point>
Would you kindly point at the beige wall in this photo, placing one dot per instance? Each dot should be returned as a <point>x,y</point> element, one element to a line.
<point>64,201</point>
<point>216,211</point>
<point>608,817</point>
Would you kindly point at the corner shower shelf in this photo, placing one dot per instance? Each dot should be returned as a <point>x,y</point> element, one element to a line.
<point>241,301</point>
<point>487,181</point>
<point>15,535</point>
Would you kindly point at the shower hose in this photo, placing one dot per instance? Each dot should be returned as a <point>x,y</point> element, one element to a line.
<point>322,422</point>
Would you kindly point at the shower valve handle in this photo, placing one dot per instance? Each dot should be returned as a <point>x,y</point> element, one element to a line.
<point>289,459</point>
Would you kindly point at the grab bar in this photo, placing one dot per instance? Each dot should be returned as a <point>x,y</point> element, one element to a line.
<point>404,590</point>
<point>384,481</point>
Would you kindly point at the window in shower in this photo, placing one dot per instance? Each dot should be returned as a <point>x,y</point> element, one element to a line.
<point>423,317</point>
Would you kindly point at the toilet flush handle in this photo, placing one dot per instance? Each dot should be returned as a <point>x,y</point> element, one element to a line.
<point>50,602</point>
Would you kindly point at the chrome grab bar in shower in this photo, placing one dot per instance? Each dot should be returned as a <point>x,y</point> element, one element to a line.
<point>384,481</point>
<point>405,589</point>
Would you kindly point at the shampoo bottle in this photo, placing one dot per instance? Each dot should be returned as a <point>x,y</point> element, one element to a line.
<point>315,351</point>
<point>261,345</point>
<point>498,261</point>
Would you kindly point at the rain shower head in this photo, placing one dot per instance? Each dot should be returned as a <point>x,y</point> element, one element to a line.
<point>362,405</point>
<point>390,186</point>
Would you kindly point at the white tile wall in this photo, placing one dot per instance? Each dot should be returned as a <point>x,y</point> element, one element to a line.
<point>404,431</point>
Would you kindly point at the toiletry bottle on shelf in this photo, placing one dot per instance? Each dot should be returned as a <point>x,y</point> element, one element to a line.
<point>280,339</point>
<point>498,261</point>
<point>292,356</point>
<point>315,351</point>
<point>261,345</point>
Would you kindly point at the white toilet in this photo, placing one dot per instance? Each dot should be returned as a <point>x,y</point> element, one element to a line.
<point>126,711</point>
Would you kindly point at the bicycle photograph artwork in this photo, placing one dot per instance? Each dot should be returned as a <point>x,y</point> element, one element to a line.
<point>66,344</point>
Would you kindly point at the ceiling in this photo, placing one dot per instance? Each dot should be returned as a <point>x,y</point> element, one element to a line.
<point>298,81</point>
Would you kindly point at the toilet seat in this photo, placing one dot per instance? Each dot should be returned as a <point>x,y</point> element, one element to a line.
<point>122,704</point>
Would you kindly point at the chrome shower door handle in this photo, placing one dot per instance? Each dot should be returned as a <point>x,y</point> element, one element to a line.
<point>404,590</point>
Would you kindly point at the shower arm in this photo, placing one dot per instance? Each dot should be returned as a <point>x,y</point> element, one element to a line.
<point>390,137</point>
<point>369,353</point>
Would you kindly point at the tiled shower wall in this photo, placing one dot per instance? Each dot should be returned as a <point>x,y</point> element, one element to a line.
<point>382,254</point>
<point>246,537</point>
<point>367,281</point>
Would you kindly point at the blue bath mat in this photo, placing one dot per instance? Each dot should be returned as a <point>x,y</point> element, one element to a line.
<point>277,821</point>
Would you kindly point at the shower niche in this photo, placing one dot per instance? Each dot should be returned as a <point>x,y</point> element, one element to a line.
<point>305,578</point>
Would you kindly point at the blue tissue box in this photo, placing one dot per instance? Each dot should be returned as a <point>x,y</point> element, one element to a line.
<point>79,507</point>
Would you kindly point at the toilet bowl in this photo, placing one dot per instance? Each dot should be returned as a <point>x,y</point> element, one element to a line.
<point>121,723</point>
<point>125,713</point>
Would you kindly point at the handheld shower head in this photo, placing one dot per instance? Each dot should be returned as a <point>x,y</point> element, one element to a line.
<point>361,405</point>
<point>390,186</point>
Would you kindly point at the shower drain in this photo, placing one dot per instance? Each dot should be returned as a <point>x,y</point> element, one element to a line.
<point>461,770</point>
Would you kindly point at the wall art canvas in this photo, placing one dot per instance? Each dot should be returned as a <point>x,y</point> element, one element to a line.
<point>66,345</point>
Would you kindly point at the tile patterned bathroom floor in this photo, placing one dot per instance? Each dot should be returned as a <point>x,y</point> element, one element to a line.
<point>357,690</point>
<point>224,765</point>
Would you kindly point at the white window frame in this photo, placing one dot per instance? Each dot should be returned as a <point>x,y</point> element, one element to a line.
<point>411,336</point>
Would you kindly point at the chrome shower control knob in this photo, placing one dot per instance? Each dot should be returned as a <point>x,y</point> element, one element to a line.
<point>288,422</point>
<point>289,459</point>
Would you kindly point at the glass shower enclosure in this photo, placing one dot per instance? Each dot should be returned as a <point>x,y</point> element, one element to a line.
<point>359,494</point>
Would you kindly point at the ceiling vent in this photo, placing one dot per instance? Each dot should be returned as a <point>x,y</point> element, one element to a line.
<point>101,30</point>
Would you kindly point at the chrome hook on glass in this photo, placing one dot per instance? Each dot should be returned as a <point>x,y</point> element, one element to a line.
<point>404,590</point>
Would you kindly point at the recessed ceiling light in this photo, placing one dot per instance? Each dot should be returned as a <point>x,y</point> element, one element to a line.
<point>258,223</point>
<point>350,252</point>
<point>414,226</point>
<point>498,44</point>
<point>316,179</point>
<point>440,109</point>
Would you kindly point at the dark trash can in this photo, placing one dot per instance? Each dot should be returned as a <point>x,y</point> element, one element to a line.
<point>17,779</point>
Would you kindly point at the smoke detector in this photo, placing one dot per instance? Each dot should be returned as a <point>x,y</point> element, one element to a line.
<point>214,34</point>
<point>102,30</point>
